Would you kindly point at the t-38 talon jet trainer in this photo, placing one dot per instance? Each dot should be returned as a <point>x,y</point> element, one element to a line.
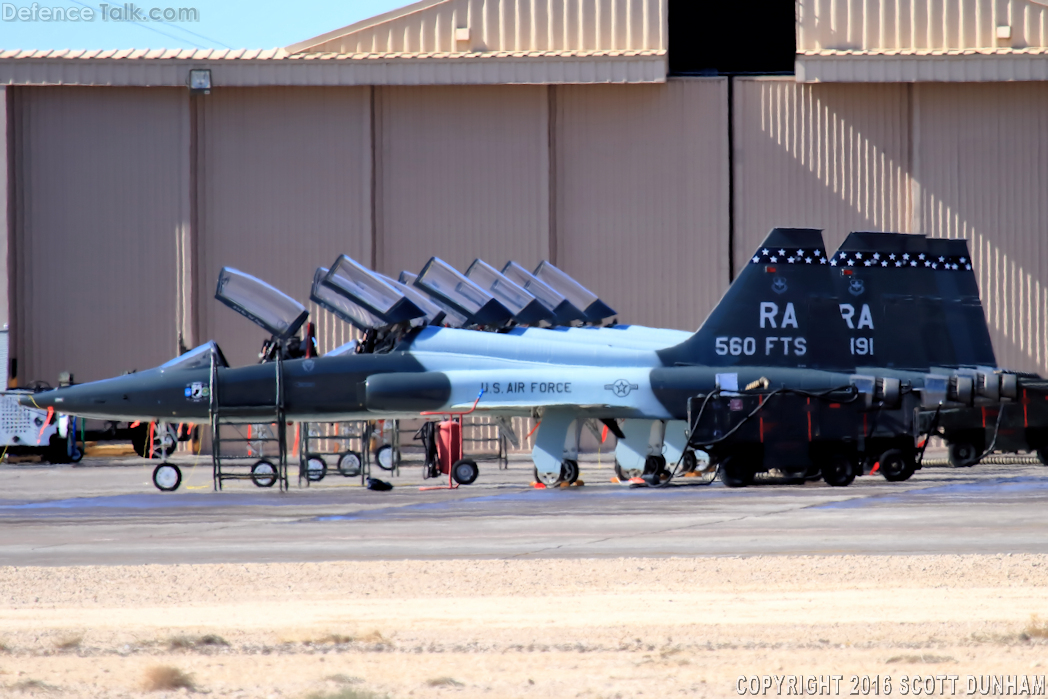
<point>764,383</point>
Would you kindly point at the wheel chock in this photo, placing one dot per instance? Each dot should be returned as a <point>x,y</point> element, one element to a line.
<point>538,486</point>
<point>638,481</point>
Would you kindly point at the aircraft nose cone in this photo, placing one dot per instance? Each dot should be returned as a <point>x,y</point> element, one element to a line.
<point>42,400</point>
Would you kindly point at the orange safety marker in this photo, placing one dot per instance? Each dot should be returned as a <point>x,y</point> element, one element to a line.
<point>135,424</point>
<point>538,486</point>
<point>50,414</point>
<point>294,448</point>
<point>604,435</point>
<point>533,429</point>
<point>876,467</point>
<point>152,426</point>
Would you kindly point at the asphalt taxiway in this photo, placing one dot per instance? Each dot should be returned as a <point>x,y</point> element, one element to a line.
<point>107,512</point>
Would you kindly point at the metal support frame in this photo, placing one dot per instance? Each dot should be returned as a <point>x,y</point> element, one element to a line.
<point>501,455</point>
<point>217,413</point>
<point>305,450</point>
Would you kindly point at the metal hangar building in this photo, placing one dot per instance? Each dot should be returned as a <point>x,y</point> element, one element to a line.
<point>644,146</point>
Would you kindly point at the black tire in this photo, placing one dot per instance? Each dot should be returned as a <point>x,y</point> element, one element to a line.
<point>653,464</point>
<point>316,468</point>
<point>734,473</point>
<point>570,470</point>
<point>264,474</point>
<point>384,457</point>
<point>349,464</point>
<point>690,462</point>
<point>896,466</point>
<point>57,451</point>
<point>139,435</point>
<point>838,470</point>
<point>964,454</point>
<point>547,479</point>
<point>167,477</point>
<point>624,474</point>
<point>164,441</point>
<point>464,471</point>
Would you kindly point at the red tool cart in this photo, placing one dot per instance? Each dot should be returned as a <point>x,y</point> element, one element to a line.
<point>443,443</point>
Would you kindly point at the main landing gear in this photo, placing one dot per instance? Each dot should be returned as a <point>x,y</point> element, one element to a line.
<point>569,473</point>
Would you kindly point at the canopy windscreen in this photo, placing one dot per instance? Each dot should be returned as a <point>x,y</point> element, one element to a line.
<point>526,308</point>
<point>549,297</point>
<point>440,279</point>
<point>263,304</point>
<point>582,298</point>
<point>452,317</point>
<point>369,290</point>
<point>197,358</point>
<point>334,302</point>
<point>433,312</point>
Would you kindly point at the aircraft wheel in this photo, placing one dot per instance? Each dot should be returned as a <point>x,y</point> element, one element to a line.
<point>964,454</point>
<point>896,466</point>
<point>551,479</point>
<point>734,473</point>
<point>570,469</point>
<point>264,474</point>
<point>316,468</point>
<point>349,464</point>
<point>625,474</point>
<point>464,471</point>
<point>167,477</point>
<point>1042,454</point>
<point>384,457</point>
<point>690,462</point>
<point>838,470</point>
<point>653,464</point>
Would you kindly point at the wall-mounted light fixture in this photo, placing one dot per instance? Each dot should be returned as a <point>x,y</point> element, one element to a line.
<point>199,80</point>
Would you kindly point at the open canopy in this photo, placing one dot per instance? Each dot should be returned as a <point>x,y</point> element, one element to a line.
<point>452,317</point>
<point>370,291</point>
<point>344,309</point>
<point>443,281</point>
<point>525,307</point>
<point>582,298</point>
<point>549,297</point>
<point>263,304</point>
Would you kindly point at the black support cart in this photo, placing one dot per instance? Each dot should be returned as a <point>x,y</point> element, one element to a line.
<point>262,472</point>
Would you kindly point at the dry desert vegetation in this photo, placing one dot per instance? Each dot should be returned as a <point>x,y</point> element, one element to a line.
<point>514,628</point>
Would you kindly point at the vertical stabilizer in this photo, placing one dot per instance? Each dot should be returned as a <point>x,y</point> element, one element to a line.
<point>959,289</point>
<point>781,311</point>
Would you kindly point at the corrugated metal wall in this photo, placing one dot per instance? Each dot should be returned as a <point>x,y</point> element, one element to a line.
<point>463,173</point>
<point>284,186</point>
<point>824,156</point>
<point>981,162</point>
<point>509,25</point>
<point>629,184</point>
<point>642,196</point>
<point>919,24</point>
<point>98,214</point>
<point>5,290</point>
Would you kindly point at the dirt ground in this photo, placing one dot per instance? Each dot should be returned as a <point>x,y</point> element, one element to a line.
<point>517,628</point>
